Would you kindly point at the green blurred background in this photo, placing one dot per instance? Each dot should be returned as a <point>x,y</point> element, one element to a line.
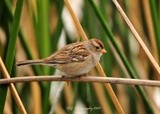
<point>32,29</point>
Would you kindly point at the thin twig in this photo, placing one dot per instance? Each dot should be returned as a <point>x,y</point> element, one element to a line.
<point>98,79</point>
<point>99,68</point>
<point>12,88</point>
<point>137,36</point>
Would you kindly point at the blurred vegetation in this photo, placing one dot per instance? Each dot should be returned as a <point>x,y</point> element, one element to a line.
<point>33,29</point>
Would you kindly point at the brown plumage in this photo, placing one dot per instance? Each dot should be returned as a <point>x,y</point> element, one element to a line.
<point>73,59</point>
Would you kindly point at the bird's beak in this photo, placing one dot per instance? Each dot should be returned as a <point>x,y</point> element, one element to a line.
<point>103,51</point>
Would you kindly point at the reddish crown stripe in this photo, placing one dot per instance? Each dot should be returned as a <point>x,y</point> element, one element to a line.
<point>99,43</point>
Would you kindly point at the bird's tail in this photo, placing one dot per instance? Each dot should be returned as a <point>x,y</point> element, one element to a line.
<point>29,62</point>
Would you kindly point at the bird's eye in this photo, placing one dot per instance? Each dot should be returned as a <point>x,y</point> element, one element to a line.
<point>97,47</point>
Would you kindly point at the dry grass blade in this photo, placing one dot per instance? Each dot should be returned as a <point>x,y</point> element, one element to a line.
<point>75,20</point>
<point>100,95</point>
<point>36,96</point>
<point>137,36</point>
<point>110,90</point>
<point>12,89</point>
<point>84,37</point>
<point>69,95</point>
<point>150,28</point>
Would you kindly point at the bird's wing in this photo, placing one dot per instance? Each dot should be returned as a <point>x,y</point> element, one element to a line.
<point>75,52</point>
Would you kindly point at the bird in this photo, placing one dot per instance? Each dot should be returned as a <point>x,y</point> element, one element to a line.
<point>74,59</point>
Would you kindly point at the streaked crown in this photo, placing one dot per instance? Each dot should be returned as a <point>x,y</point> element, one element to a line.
<point>97,45</point>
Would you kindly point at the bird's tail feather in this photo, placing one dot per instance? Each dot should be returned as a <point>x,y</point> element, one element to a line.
<point>29,62</point>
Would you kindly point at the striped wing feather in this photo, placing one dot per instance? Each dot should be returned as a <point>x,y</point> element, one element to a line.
<point>75,52</point>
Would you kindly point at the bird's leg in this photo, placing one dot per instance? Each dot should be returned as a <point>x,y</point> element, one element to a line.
<point>63,76</point>
<point>79,76</point>
<point>83,75</point>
